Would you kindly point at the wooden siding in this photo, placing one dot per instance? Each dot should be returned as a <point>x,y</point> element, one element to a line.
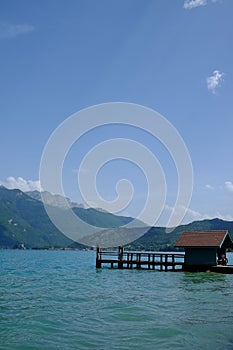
<point>202,256</point>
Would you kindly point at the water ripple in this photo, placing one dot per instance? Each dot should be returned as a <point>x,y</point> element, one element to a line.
<point>57,300</point>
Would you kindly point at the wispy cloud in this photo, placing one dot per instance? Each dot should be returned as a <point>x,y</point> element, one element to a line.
<point>190,216</point>
<point>190,4</point>
<point>9,30</point>
<point>227,217</point>
<point>209,187</point>
<point>193,215</point>
<point>229,186</point>
<point>21,184</point>
<point>214,81</point>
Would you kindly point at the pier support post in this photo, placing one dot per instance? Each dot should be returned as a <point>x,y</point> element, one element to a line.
<point>98,258</point>
<point>173,263</point>
<point>166,262</point>
<point>161,262</point>
<point>120,257</point>
<point>138,260</point>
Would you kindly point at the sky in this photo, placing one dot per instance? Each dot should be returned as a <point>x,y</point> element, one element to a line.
<point>175,57</point>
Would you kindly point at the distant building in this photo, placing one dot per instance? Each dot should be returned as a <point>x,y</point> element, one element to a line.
<point>203,248</point>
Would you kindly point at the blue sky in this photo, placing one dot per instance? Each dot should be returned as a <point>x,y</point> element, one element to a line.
<point>58,57</point>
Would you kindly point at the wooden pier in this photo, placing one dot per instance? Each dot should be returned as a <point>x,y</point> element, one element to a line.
<point>148,260</point>
<point>222,269</point>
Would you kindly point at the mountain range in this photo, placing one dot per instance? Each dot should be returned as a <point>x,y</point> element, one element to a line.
<point>23,220</point>
<point>55,200</point>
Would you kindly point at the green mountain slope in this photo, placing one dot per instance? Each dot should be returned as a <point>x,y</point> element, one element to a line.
<point>94,217</point>
<point>104,219</point>
<point>23,219</point>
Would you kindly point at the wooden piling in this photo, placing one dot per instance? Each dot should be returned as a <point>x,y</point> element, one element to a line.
<point>98,258</point>
<point>166,263</point>
<point>161,262</point>
<point>173,263</point>
<point>120,257</point>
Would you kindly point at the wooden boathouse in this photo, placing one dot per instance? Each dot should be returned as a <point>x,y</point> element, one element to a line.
<point>205,250</point>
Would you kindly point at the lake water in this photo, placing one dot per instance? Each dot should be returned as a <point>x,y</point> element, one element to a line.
<point>58,300</point>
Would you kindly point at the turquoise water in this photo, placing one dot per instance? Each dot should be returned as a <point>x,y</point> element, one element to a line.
<point>58,300</point>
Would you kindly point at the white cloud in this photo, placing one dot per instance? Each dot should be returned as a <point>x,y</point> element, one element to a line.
<point>214,81</point>
<point>229,186</point>
<point>21,184</point>
<point>190,4</point>
<point>209,187</point>
<point>226,217</point>
<point>191,215</point>
<point>8,30</point>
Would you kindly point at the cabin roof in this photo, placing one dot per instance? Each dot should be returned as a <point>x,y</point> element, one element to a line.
<point>203,239</point>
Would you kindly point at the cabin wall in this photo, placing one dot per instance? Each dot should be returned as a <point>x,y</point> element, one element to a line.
<point>200,256</point>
